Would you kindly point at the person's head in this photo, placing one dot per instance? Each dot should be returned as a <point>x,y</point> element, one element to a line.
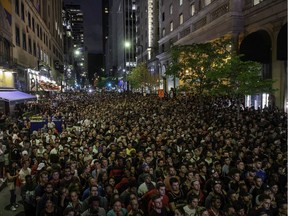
<point>189,175</point>
<point>174,183</point>
<point>265,201</point>
<point>94,202</point>
<point>69,211</point>
<point>172,171</point>
<point>196,185</point>
<point>132,196</point>
<point>230,210</point>
<point>183,169</point>
<point>74,196</point>
<point>93,190</point>
<point>179,212</point>
<point>147,178</point>
<point>258,181</point>
<point>64,191</point>
<point>117,205</point>
<point>240,165</point>
<point>216,202</point>
<point>104,162</point>
<point>161,188</point>
<point>111,181</point>
<point>55,175</point>
<point>240,209</point>
<point>205,213</point>
<point>134,204</point>
<point>217,187</point>
<point>44,177</point>
<point>233,196</point>
<point>67,171</point>
<point>258,164</point>
<point>235,174</point>
<point>132,185</point>
<point>157,201</point>
<point>49,188</point>
<point>214,174</point>
<point>49,203</point>
<point>25,163</point>
<point>262,213</point>
<point>227,160</point>
<point>193,201</point>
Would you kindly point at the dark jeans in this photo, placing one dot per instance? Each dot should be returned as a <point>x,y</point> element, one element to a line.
<point>12,197</point>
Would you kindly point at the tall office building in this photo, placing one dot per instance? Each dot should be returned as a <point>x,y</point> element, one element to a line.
<point>257,27</point>
<point>75,16</point>
<point>105,31</point>
<point>31,50</point>
<point>38,43</point>
<point>69,71</point>
<point>121,42</point>
<point>147,31</point>
<point>147,34</point>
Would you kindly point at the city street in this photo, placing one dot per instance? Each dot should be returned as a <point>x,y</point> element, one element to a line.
<point>5,208</point>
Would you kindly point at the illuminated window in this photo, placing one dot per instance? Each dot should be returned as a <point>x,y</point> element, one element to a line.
<point>171,26</point>
<point>163,32</point>
<point>207,2</point>
<point>171,9</point>
<point>180,2</point>
<point>192,9</point>
<point>255,2</point>
<point>181,19</point>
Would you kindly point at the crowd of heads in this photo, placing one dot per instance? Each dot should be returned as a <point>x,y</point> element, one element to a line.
<point>128,154</point>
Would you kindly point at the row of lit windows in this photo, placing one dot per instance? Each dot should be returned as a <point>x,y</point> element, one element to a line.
<point>180,2</point>
<point>181,19</point>
<point>192,13</point>
<point>31,22</point>
<point>30,47</point>
<point>35,27</point>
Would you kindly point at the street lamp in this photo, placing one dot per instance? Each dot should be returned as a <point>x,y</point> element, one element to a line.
<point>127,44</point>
<point>77,52</point>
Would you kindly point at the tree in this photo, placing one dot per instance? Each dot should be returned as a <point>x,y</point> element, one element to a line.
<point>212,68</point>
<point>238,78</point>
<point>191,63</point>
<point>141,78</point>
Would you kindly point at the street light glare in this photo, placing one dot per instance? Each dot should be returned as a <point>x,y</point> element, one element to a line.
<point>127,44</point>
<point>77,52</point>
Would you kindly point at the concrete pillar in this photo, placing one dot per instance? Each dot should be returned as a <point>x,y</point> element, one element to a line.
<point>279,75</point>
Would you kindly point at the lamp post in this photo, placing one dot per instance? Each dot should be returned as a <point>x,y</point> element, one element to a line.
<point>127,45</point>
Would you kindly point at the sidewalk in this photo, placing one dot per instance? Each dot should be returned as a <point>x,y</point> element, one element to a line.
<point>4,202</point>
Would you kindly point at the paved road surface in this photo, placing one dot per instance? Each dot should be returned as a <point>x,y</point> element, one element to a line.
<point>4,204</point>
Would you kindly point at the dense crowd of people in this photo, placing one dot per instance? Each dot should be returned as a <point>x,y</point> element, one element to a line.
<point>128,154</point>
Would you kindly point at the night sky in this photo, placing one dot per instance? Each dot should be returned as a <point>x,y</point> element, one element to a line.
<point>92,23</point>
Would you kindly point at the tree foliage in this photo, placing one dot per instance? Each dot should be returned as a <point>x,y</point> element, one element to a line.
<point>212,68</point>
<point>239,77</point>
<point>140,77</point>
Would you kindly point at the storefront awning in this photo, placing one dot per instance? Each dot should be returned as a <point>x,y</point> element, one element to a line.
<point>16,96</point>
